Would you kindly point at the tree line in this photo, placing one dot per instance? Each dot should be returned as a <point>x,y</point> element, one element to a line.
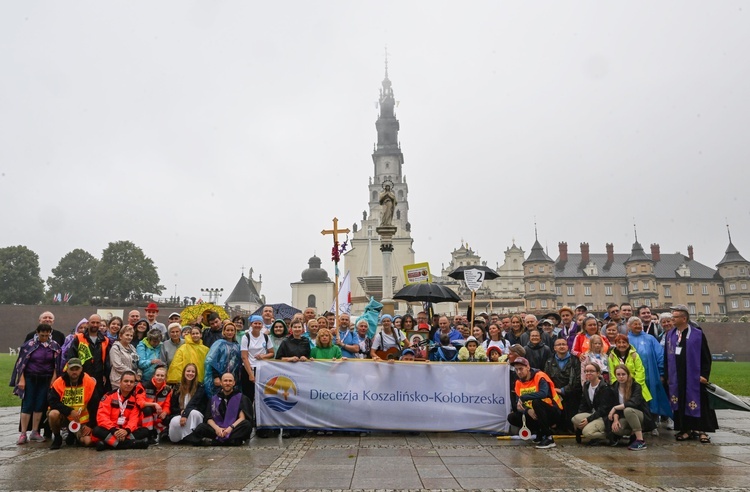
<point>122,273</point>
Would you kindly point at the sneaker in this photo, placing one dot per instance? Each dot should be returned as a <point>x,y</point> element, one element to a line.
<point>36,437</point>
<point>670,424</point>
<point>537,438</point>
<point>655,432</point>
<point>100,446</point>
<point>578,437</point>
<point>637,446</point>
<point>57,441</point>
<point>547,443</point>
<point>22,439</point>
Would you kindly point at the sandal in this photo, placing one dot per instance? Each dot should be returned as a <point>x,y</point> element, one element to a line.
<point>704,439</point>
<point>683,436</point>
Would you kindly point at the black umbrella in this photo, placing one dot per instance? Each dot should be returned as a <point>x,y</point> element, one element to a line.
<point>428,292</point>
<point>458,273</point>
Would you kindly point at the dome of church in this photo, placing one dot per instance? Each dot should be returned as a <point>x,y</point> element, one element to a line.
<point>314,273</point>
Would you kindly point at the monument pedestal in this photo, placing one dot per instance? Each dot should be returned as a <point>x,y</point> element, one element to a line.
<point>386,248</point>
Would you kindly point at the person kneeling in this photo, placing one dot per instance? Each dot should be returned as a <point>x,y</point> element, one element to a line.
<point>538,400</point>
<point>118,418</point>
<point>227,418</point>
<point>596,401</point>
<point>68,399</point>
<point>632,414</point>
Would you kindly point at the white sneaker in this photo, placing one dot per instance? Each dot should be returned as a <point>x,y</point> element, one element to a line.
<point>655,432</point>
<point>670,424</point>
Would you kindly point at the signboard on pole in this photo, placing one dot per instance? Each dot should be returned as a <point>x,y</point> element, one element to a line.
<point>473,278</point>
<point>418,273</point>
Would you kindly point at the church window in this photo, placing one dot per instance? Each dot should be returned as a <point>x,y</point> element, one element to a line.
<point>632,269</point>
<point>542,286</point>
<point>532,287</point>
<point>647,302</point>
<point>532,304</point>
<point>721,290</point>
<point>531,269</point>
<point>369,231</point>
<point>722,309</point>
<point>735,304</point>
<point>571,290</point>
<point>311,300</point>
<point>706,308</point>
<point>705,290</point>
<point>747,303</point>
<point>558,290</point>
<point>732,286</point>
<point>691,307</point>
<point>742,270</point>
<point>541,269</point>
<point>587,290</point>
<point>374,196</point>
<point>624,290</point>
<point>743,286</point>
<point>544,304</point>
<point>646,285</point>
<point>667,291</point>
<point>398,214</point>
<point>690,289</point>
<point>400,195</point>
<point>608,290</point>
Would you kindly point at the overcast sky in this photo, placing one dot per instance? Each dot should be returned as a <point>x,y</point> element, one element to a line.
<point>220,134</point>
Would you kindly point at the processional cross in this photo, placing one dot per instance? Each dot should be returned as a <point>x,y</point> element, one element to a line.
<point>336,256</point>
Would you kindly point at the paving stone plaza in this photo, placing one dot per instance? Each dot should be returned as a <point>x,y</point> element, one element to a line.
<point>385,461</point>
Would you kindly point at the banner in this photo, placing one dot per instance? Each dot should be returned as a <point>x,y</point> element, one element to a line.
<point>367,395</point>
<point>344,297</point>
<point>418,273</point>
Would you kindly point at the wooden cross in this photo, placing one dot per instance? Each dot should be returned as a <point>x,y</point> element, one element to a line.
<point>335,232</point>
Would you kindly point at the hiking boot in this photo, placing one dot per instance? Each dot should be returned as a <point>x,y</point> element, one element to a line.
<point>56,442</point>
<point>36,437</point>
<point>22,439</point>
<point>637,445</point>
<point>547,443</point>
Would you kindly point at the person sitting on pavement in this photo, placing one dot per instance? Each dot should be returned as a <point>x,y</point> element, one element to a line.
<point>596,402</point>
<point>154,397</point>
<point>226,417</point>
<point>565,371</point>
<point>188,402</point>
<point>149,354</point>
<point>118,418</point>
<point>32,374</point>
<point>631,415</point>
<point>538,401</point>
<point>537,352</point>
<point>68,398</point>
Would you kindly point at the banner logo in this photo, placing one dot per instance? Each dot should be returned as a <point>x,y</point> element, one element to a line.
<point>279,389</point>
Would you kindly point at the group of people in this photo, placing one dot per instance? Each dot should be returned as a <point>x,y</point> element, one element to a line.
<point>129,384</point>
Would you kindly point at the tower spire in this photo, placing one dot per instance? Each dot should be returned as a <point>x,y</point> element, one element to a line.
<point>635,231</point>
<point>386,61</point>
<point>536,236</point>
<point>729,233</point>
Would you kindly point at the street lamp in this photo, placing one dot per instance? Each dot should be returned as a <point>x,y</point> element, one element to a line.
<point>213,294</point>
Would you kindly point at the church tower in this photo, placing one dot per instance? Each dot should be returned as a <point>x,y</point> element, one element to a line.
<point>364,259</point>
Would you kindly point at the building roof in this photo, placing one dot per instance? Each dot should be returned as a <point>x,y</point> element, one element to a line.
<point>665,268</point>
<point>731,255</point>
<point>244,291</point>
<point>314,273</point>
<point>637,253</point>
<point>537,254</point>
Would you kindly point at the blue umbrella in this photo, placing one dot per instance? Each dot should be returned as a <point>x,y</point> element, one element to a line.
<point>280,311</point>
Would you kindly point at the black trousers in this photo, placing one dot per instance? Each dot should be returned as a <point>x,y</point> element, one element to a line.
<point>240,433</point>
<point>547,416</point>
<point>108,437</point>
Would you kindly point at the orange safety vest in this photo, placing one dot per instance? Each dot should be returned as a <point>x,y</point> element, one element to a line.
<point>83,339</point>
<point>532,386</point>
<point>76,397</point>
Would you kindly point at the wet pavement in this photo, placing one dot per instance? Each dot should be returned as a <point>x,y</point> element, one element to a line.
<point>382,461</point>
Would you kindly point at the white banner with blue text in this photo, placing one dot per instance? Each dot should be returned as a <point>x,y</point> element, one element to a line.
<point>366,395</point>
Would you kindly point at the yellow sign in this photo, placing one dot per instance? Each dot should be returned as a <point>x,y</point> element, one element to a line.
<point>418,273</point>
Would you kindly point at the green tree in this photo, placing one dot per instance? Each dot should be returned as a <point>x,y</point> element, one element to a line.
<point>74,275</point>
<point>124,272</point>
<point>20,282</point>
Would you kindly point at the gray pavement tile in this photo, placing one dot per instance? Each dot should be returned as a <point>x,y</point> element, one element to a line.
<point>493,483</point>
<point>388,482</point>
<point>384,452</point>
<point>671,481</point>
<point>424,452</point>
<point>440,483</point>
<point>554,471</point>
<point>332,453</point>
<point>463,452</point>
<point>389,461</point>
<point>434,471</point>
<point>543,482</point>
<point>315,481</point>
<point>420,461</point>
<point>470,460</point>
<point>484,471</point>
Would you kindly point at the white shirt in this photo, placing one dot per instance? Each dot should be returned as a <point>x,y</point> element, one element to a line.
<point>254,346</point>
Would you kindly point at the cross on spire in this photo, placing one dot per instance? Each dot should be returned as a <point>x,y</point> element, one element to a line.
<point>243,270</point>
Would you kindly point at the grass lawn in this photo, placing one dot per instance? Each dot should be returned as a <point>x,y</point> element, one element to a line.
<point>7,398</point>
<point>732,376</point>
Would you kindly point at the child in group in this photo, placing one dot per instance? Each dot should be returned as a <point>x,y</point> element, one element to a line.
<point>596,355</point>
<point>471,351</point>
<point>494,354</point>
